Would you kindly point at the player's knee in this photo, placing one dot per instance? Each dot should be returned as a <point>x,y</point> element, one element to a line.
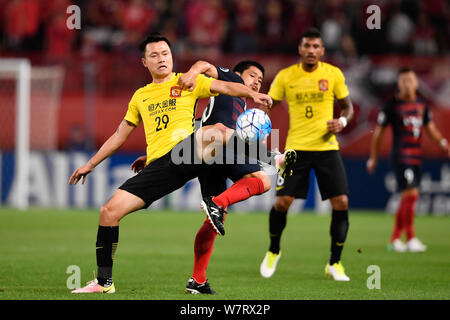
<point>220,131</point>
<point>282,204</point>
<point>339,203</point>
<point>107,216</point>
<point>220,127</point>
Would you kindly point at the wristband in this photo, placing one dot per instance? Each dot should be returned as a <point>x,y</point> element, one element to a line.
<point>443,142</point>
<point>343,120</point>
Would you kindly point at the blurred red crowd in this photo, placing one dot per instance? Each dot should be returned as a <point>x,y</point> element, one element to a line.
<point>211,27</point>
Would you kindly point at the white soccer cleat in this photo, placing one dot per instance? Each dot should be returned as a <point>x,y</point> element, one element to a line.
<point>398,246</point>
<point>415,245</point>
<point>269,264</point>
<point>336,271</point>
<point>94,287</point>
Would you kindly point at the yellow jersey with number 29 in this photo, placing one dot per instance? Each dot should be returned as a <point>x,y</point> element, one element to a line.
<point>310,97</point>
<point>167,112</point>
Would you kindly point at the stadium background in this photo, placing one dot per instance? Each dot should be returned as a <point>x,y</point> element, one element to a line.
<point>101,69</point>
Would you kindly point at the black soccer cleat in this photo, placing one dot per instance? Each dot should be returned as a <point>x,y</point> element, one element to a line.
<point>195,288</point>
<point>290,157</point>
<point>215,214</point>
<point>284,163</point>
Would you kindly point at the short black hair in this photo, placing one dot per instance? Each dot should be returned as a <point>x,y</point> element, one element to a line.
<point>311,33</point>
<point>405,70</point>
<point>244,65</point>
<point>153,37</point>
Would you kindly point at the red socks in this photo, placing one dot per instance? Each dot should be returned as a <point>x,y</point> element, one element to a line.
<point>241,190</point>
<point>404,218</point>
<point>409,216</point>
<point>204,240</point>
<point>203,247</point>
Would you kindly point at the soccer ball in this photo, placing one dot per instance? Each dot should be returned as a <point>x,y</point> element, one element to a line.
<point>253,125</point>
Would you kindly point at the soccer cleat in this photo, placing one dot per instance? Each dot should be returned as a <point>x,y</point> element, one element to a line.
<point>94,287</point>
<point>194,287</point>
<point>397,245</point>
<point>269,264</point>
<point>215,214</point>
<point>284,163</point>
<point>336,271</point>
<point>415,245</point>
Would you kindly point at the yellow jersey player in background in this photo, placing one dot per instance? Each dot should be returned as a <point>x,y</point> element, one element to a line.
<point>167,113</point>
<point>310,88</point>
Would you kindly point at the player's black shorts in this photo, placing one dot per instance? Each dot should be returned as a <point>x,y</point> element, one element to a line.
<point>329,170</point>
<point>213,177</point>
<point>162,176</point>
<point>407,176</point>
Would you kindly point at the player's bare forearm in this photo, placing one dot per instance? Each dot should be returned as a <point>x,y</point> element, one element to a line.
<point>108,148</point>
<point>206,68</point>
<point>239,90</point>
<point>374,147</point>
<point>346,108</point>
<point>187,80</point>
<point>113,143</point>
<point>436,135</point>
<point>337,125</point>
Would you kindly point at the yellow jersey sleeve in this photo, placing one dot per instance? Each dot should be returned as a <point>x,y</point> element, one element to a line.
<point>133,115</point>
<point>340,88</point>
<point>203,87</point>
<point>276,91</point>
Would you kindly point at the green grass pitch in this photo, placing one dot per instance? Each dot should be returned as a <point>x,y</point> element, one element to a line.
<point>155,257</point>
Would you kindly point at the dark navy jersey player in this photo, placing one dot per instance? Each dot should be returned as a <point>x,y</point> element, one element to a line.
<point>407,114</point>
<point>407,118</point>
<point>249,179</point>
<point>222,108</point>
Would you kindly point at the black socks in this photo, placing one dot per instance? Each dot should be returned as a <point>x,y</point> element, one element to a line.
<point>277,222</point>
<point>338,232</point>
<point>106,245</point>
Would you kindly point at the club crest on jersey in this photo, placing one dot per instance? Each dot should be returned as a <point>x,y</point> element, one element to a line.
<point>175,92</point>
<point>323,85</point>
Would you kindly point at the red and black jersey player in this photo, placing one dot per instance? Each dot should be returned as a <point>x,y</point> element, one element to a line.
<point>407,114</point>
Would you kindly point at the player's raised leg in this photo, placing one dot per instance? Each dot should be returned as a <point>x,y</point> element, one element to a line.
<point>111,213</point>
<point>254,183</point>
<point>284,163</point>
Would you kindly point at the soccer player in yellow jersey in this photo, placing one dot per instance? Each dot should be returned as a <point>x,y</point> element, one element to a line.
<point>310,88</point>
<point>167,113</point>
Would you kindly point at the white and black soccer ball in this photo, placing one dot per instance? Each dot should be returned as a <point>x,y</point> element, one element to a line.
<point>253,125</point>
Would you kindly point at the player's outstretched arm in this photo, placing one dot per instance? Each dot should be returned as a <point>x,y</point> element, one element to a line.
<point>336,125</point>
<point>108,148</point>
<point>374,147</point>
<point>239,90</point>
<point>188,79</point>
<point>436,135</point>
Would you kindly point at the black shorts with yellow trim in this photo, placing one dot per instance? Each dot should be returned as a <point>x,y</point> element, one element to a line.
<point>165,174</point>
<point>329,170</point>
